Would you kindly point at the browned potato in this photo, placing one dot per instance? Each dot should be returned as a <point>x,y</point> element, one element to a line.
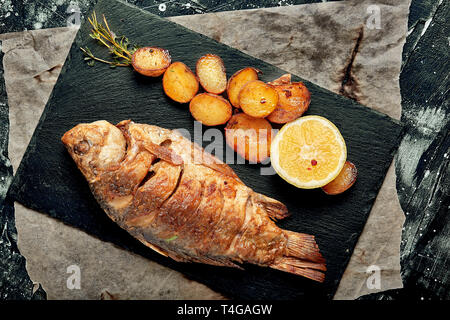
<point>284,79</point>
<point>180,83</point>
<point>151,61</point>
<point>343,181</point>
<point>258,99</point>
<point>237,81</point>
<point>293,101</point>
<point>210,109</point>
<point>211,73</point>
<point>249,137</point>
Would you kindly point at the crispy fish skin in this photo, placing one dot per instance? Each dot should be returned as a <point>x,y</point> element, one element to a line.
<point>183,202</point>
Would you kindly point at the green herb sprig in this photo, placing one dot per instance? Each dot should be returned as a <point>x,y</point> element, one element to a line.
<point>119,47</point>
<point>171,238</point>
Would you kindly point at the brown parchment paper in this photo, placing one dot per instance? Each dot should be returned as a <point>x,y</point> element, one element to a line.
<point>323,43</point>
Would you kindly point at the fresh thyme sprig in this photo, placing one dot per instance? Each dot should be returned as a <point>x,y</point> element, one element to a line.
<point>118,47</point>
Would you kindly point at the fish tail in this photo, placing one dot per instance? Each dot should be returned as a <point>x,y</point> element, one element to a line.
<point>302,257</point>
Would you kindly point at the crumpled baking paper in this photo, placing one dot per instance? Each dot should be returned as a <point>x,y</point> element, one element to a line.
<point>343,46</point>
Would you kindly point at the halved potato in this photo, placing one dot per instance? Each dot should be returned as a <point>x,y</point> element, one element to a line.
<point>151,61</point>
<point>211,73</point>
<point>210,109</point>
<point>343,181</point>
<point>249,137</point>
<point>293,101</point>
<point>237,81</point>
<point>258,99</point>
<point>180,83</point>
<point>284,79</point>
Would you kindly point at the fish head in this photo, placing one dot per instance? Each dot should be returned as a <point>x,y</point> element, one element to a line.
<point>95,146</point>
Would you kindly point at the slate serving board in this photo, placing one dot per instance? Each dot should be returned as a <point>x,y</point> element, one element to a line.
<point>48,180</point>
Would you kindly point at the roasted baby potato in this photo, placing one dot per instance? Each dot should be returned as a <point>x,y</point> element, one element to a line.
<point>211,73</point>
<point>210,109</point>
<point>343,181</point>
<point>249,137</point>
<point>237,81</point>
<point>180,83</point>
<point>284,79</point>
<point>293,101</point>
<point>258,99</point>
<point>151,61</point>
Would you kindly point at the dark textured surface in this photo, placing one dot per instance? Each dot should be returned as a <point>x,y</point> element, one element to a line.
<point>422,277</point>
<point>18,15</point>
<point>423,158</point>
<point>14,280</point>
<point>49,181</point>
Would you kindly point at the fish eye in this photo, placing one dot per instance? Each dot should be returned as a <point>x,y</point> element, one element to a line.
<point>81,147</point>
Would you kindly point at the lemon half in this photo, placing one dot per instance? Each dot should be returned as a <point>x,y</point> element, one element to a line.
<point>308,152</point>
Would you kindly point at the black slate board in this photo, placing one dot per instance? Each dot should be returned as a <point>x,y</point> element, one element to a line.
<point>48,180</point>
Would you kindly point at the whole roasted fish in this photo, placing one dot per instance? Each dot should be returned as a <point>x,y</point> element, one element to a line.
<point>183,202</point>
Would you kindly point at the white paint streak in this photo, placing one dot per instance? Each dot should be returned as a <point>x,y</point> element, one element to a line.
<point>408,159</point>
<point>425,27</point>
<point>428,121</point>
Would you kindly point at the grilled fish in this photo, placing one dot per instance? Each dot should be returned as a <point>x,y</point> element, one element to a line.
<point>183,202</point>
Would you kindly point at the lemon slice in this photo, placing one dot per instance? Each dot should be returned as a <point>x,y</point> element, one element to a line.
<point>308,152</point>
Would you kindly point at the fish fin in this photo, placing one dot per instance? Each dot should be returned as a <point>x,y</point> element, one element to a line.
<point>161,251</point>
<point>160,151</point>
<point>180,258</point>
<point>274,209</point>
<point>154,247</point>
<point>303,246</point>
<point>300,268</point>
<point>216,262</point>
<point>302,257</point>
<point>163,153</point>
<point>124,124</point>
<point>164,253</point>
